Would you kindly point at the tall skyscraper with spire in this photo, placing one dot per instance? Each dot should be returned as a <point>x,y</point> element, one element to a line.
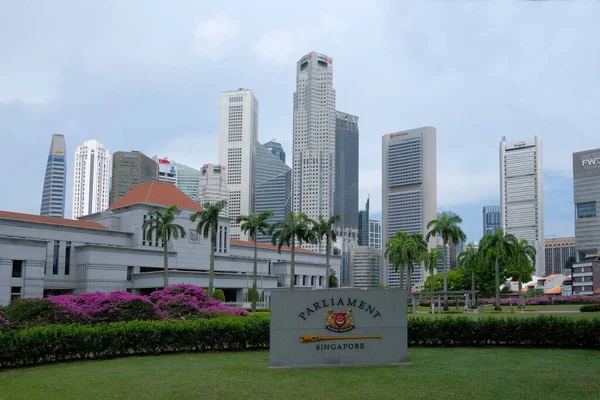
<point>90,178</point>
<point>314,138</point>
<point>54,192</point>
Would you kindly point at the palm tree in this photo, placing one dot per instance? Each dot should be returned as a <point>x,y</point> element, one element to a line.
<point>497,246</point>
<point>570,261</point>
<point>402,250</point>
<point>323,229</point>
<point>253,225</point>
<point>524,263</point>
<point>295,228</point>
<point>208,225</point>
<point>163,223</point>
<point>447,227</point>
<point>470,259</point>
<point>430,261</point>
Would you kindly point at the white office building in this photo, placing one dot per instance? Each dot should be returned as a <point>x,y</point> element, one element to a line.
<point>365,267</point>
<point>167,171</point>
<point>375,234</point>
<point>238,135</point>
<point>213,185</point>
<point>522,194</point>
<point>91,171</point>
<point>408,190</point>
<point>314,138</point>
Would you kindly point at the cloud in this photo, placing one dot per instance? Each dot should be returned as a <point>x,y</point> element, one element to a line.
<point>278,45</point>
<point>212,36</point>
<point>193,149</point>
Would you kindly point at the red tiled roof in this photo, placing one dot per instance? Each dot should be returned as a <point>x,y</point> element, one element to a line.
<point>597,291</point>
<point>236,242</point>
<point>556,290</point>
<point>157,192</point>
<point>553,276</point>
<point>50,220</point>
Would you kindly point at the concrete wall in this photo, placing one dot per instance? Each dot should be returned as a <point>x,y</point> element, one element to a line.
<point>31,282</point>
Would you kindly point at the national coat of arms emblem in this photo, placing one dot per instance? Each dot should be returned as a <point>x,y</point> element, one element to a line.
<point>339,321</point>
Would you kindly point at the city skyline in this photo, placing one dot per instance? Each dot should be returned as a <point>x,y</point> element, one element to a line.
<point>173,109</point>
<point>54,192</point>
<point>90,179</point>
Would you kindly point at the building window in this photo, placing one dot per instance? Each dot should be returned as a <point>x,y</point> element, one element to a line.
<point>129,274</point>
<point>144,232</point>
<point>15,293</point>
<point>586,210</point>
<point>55,258</point>
<point>320,281</point>
<point>68,259</point>
<point>17,268</point>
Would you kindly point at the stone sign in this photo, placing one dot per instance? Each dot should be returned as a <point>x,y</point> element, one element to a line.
<point>338,327</point>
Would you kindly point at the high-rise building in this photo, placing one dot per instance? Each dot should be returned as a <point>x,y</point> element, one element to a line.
<point>375,234</point>
<point>238,136</point>
<point>365,263</point>
<point>314,138</point>
<point>491,219</point>
<point>586,187</point>
<point>345,201</point>
<point>522,194</point>
<point>55,181</point>
<point>273,187</point>
<point>187,179</point>
<point>558,251</point>
<point>129,169</point>
<point>408,190</point>
<point>212,185</point>
<point>90,178</point>
<point>275,148</point>
<point>346,240</point>
<point>445,262</point>
<point>167,171</point>
<point>363,225</point>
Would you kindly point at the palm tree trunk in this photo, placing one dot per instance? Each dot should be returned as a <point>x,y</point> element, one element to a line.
<point>445,278</point>
<point>473,287</point>
<point>497,281</point>
<point>432,290</point>
<point>401,276</point>
<point>521,302</point>
<point>166,263</point>
<point>327,268</point>
<point>254,274</point>
<point>293,264</point>
<point>211,271</point>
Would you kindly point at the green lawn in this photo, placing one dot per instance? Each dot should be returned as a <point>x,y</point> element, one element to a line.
<point>450,373</point>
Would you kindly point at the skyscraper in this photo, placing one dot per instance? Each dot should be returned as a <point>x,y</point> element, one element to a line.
<point>365,263</point>
<point>345,202</point>
<point>558,251</point>
<point>522,194</point>
<point>408,190</point>
<point>275,148</point>
<point>129,169</point>
<point>238,136</point>
<point>187,180</point>
<point>54,191</point>
<point>212,186</point>
<point>374,234</point>
<point>363,225</point>
<point>167,171</point>
<point>314,138</point>
<point>90,178</point>
<point>273,186</point>
<point>491,219</point>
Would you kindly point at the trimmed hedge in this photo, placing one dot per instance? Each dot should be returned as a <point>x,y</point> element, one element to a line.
<point>590,308</point>
<point>80,342</point>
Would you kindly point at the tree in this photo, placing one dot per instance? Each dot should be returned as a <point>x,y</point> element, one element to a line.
<point>333,280</point>
<point>447,227</point>
<point>400,250</point>
<point>430,261</point>
<point>208,225</point>
<point>163,223</point>
<point>323,229</point>
<point>498,247</point>
<point>522,265</point>
<point>253,225</point>
<point>470,260</point>
<point>570,261</point>
<point>295,228</point>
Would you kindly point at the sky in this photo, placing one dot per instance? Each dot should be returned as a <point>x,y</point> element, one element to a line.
<point>146,75</point>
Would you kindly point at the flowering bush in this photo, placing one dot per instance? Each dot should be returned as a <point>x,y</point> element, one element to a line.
<point>4,323</point>
<point>39,312</point>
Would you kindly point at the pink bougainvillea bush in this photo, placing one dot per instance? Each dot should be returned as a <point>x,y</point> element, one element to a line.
<point>4,323</point>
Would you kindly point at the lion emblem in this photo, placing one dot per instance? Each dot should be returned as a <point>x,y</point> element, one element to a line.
<point>339,321</point>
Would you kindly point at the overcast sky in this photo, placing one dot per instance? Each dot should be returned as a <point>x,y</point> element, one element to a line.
<point>146,75</point>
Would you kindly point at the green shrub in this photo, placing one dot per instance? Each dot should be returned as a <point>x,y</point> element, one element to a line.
<point>590,308</point>
<point>24,313</point>
<point>253,295</point>
<point>219,295</point>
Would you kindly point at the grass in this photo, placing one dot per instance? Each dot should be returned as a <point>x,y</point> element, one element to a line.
<point>450,373</point>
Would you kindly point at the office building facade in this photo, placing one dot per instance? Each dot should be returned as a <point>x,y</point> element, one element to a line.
<point>275,148</point>
<point>54,191</point>
<point>187,179</point>
<point>363,225</point>
<point>167,171</point>
<point>129,169</point>
<point>212,186</point>
<point>365,263</point>
<point>314,138</point>
<point>238,136</point>
<point>375,234</point>
<point>273,190</point>
<point>522,194</point>
<point>491,219</point>
<point>409,190</point>
<point>345,202</point>
<point>346,240</point>
<point>91,171</point>
<point>558,251</point>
